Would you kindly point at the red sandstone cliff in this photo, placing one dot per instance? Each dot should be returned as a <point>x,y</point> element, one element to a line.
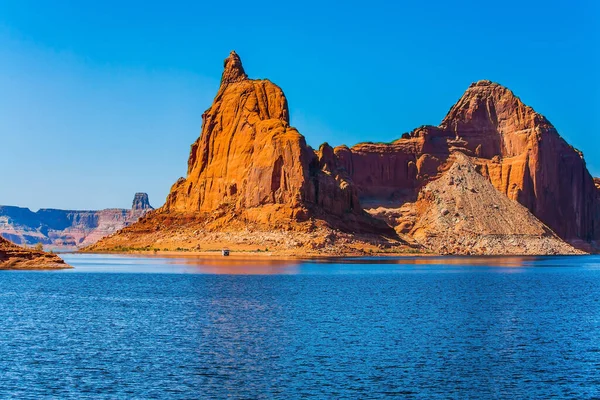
<point>463,213</point>
<point>249,161</point>
<point>516,148</point>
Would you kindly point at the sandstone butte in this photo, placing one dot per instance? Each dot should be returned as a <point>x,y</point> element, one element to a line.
<point>15,257</point>
<point>254,183</point>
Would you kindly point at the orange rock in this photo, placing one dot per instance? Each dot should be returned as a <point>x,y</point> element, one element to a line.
<point>248,157</point>
<point>15,257</point>
<point>516,148</point>
<point>536,167</point>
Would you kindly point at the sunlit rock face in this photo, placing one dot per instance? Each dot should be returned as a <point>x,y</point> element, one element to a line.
<point>463,213</point>
<point>248,157</point>
<point>517,149</point>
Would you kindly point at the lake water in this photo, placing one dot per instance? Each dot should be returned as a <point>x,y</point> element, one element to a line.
<point>134,327</point>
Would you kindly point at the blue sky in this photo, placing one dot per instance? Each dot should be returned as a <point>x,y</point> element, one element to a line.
<point>99,100</point>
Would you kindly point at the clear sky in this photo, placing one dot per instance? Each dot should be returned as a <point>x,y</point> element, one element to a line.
<point>101,99</point>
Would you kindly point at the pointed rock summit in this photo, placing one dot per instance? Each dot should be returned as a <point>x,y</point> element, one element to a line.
<point>233,70</point>
<point>490,116</point>
<point>516,148</point>
<point>250,169</point>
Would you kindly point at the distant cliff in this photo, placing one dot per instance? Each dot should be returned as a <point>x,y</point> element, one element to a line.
<point>67,228</point>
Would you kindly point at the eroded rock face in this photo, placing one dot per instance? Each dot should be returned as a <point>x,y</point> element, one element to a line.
<point>517,149</point>
<point>249,159</point>
<point>15,257</point>
<point>141,202</point>
<point>536,166</point>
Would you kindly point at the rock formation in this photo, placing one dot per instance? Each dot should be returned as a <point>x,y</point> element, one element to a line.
<point>249,160</point>
<point>15,257</point>
<point>251,174</point>
<point>516,148</point>
<point>67,229</point>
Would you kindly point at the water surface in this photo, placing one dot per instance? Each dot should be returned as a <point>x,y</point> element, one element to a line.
<point>138,327</point>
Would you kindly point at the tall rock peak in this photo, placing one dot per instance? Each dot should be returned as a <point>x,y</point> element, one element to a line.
<point>248,159</point>
<point>489,111</point>
<point>141,202</point>
<point>233,69</point>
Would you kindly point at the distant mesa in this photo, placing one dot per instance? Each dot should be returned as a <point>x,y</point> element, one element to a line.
<point>253,182</point>
<point>67,229</point>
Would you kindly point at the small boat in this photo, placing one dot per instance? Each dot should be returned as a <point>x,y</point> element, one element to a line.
<point>225,252</point>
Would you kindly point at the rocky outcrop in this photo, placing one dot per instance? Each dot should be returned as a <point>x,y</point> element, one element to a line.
<point>526,159</point>
<point>463,213</point>
<point>517,149</point>
<point>250,169</point>
<point>251,174</point>
<point>67,229</point>
<point>15,257</point>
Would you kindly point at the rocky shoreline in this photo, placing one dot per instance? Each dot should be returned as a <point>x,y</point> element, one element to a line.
<point>13,257</point>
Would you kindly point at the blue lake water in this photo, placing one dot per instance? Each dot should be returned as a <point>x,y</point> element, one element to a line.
<point>135,327</point>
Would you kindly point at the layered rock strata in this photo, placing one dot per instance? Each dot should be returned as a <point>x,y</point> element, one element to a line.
<point>16,257</point>
<point>249,160</point>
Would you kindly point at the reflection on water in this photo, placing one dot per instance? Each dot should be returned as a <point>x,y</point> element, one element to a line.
<point>265,265</point>
<point>505,261</point>
<point>182,265</point>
